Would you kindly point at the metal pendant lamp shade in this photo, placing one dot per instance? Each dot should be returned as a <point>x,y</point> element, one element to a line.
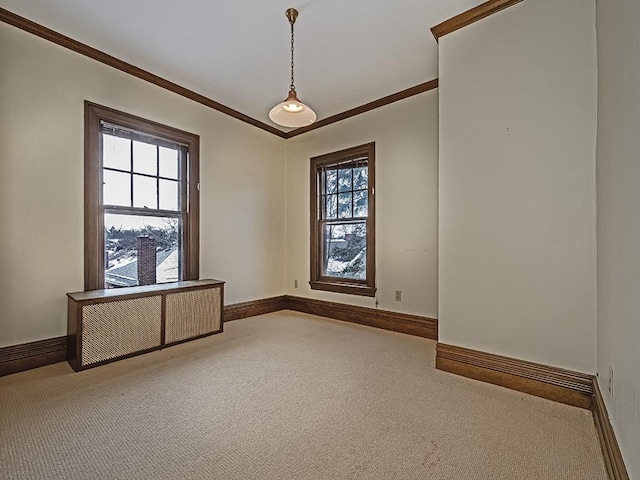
<point>292,112</point>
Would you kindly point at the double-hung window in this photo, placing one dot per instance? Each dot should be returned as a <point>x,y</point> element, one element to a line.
<point>141,201</point>
<point>343,221</point>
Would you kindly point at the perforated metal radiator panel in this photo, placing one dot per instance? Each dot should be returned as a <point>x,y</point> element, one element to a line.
<point>192,313</point>
<point>119,328</point>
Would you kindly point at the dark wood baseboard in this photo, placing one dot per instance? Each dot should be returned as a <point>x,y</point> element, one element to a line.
<point>565,386</point>
<point>397,322</point>
<point>553,383</point>
<point>610,450</point>
<point>17,358</point>
<point>252,308</point>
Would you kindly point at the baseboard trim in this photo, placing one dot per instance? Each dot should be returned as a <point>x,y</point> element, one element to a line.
<point>560,385</point>
<point>610,450</point>
<point>18,358</point>
<point>557,384</point>
<point>252,308</point>
<point>398,322</point>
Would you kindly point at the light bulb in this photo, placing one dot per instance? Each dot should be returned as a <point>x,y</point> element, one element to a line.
<point>293,107</point>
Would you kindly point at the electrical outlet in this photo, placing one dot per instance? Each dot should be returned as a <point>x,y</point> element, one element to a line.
<point>611,381</point>
<point>398,295</point>
<point>295,284</point>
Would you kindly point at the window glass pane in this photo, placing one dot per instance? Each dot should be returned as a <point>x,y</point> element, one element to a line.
<point>131,261</point>
<point>360,205</point>
<point>168,162</point>
<point>144,192</point>
<point>116,189</point>
<point>344,179</point>
<point>331,206</point>
<point>116,152</point>
<point>360,178</point>
<point>145,158</point>
<point>345,251</point>
<point>169,195</point>
<point>331,185</point>
<point>344,205</point>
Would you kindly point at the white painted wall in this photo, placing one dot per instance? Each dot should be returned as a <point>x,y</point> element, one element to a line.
<point>247,179</point>
<point>406,136</point>
<point>517,184</point>
<point>618,169</point>
<point>42,90</point>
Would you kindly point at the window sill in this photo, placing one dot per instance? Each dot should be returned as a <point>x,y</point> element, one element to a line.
<point>349,288</point>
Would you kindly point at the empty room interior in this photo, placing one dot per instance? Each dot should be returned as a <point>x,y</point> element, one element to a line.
<point>423,263</point>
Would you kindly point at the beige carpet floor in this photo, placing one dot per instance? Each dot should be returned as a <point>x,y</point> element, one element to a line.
<point>286,396</point>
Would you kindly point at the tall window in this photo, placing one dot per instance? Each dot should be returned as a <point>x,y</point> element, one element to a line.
<point>141,201</point>
<point>343,221</point>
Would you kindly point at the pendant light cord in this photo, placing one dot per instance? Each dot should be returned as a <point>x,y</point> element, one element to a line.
<point>292,86</point>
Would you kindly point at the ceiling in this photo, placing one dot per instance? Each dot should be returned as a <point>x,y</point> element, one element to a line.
<point>236,52</point>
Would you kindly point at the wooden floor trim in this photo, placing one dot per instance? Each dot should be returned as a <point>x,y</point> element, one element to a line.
<point>18,358</point>
<point>252,308</point>
<point>553,383</point>
<point>560,385</point>
<point>470,16</point>
<point>398,322</point>
<point>613,460</point>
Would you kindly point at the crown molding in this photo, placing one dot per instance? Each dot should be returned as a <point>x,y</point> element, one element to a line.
<point>55,37</point>
<point>95,54</point>
<point>470,16</point>
<point>381,102</point>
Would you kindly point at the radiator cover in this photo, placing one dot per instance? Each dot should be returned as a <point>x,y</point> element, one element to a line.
<point>108,325</point>
<point>192,314</point>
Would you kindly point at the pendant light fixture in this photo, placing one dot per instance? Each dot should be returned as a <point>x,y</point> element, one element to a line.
<point>292,112</point>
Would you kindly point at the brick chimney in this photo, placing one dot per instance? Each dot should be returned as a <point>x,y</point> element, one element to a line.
<point>146,260</point>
